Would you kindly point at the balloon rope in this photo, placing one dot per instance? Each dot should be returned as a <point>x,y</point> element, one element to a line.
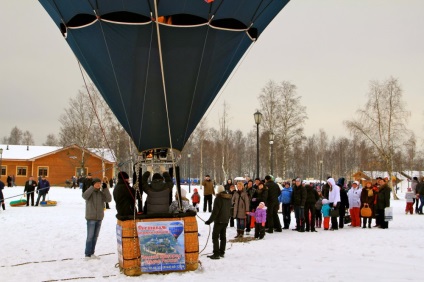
<point>163,82</point>
<point>102,128</point>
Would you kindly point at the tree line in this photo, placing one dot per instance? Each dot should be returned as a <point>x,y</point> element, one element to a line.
<point>379,141</point>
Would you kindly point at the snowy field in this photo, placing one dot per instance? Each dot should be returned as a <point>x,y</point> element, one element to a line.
<point>47,244</point>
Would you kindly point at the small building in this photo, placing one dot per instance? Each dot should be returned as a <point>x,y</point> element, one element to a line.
<point>363,176</point>
<point>58,164</point>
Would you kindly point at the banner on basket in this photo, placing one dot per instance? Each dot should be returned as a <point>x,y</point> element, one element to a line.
<point>119,241</point>
<point>388,214</point>
<point>162,245</point>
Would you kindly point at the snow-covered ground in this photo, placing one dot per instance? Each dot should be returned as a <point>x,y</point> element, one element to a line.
<point>47,244</point>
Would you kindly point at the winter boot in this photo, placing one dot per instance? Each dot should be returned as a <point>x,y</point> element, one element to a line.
<point>3,206</point>
<point>241,233</point>
<point>262,233</point>
<point>302,226</point>
<point>238,234</point>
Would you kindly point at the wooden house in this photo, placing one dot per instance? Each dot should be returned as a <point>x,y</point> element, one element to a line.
<point>58,164</point>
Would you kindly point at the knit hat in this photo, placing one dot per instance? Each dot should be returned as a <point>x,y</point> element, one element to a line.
<point>220,189</point>
<point>261,205</point>
<point>325,201</point>
<point>157,176</point>
<point>183,193</point>
<point>195,190</point>
<point>95,180</point>
<point>123,175</point>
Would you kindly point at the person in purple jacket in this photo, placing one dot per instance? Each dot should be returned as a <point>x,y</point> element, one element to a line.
<point>260,220</point>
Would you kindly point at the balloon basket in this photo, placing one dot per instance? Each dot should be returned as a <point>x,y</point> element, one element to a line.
<point>129,255</point>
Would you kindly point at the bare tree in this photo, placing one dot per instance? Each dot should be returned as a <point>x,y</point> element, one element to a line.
<point>51,140</point>
<point>381,122</point>
<point>224,138</point>
<point>283,115</point>
<point>27,138</point>
<point>411,151</point>
<point>16,136</point>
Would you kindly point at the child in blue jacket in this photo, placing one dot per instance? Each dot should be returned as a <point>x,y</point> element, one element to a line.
<point>326,213</point>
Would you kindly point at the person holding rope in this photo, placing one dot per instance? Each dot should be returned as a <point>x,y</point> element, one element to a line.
<point>43,189</point>
<point>30,189</point>
<point>220,216</point>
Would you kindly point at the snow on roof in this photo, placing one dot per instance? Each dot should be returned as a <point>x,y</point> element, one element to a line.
<point>383,174</point>
<point>412,173</point>
<point>24,152</point>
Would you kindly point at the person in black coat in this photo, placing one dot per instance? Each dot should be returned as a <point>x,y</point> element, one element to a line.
<point>1,195</point>
<point>344,201</point>
<point>30,189</point>
<point>124,196</point>
<point>311,199</point>
<point>159,192</point>
<point>9,181</point>
<point>272,203</point>
<point>220,216</point>
<point>298,201</point>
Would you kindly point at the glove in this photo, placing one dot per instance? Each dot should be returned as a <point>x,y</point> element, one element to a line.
<point>207,222</point>
<point>162,168</point>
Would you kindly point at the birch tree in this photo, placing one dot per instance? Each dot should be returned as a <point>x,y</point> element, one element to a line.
<point>381,122</point>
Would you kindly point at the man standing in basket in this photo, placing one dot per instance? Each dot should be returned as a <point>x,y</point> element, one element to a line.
<point>94,212</point>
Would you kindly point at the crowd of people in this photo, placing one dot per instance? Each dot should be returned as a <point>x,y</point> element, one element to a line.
<point>330,206</point>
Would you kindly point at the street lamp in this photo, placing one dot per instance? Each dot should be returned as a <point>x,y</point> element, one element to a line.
<point>258,119</point>
<point>320,174</point>
<point>1,159</point>
<point>189,180</point>
<point>271,142</point>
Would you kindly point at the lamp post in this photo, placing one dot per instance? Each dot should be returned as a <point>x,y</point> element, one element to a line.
<point>271,142</point>
<point>258,119</point>
<point>1,159</point>
<point>189,180</point>
<point>320,173</point>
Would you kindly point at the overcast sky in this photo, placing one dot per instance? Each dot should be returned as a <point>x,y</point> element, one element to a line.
<point>330,49</point>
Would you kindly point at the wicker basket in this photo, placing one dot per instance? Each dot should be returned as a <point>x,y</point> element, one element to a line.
<point>131,264</point>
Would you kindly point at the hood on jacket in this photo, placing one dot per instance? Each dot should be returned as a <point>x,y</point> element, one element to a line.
<point>341,182</point>
<point>331,181</point>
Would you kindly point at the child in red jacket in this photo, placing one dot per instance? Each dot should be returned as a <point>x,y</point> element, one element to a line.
<point>195,199</point>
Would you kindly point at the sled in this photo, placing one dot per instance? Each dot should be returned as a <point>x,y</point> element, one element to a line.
<point>18,203</point>
<point>48,203</point>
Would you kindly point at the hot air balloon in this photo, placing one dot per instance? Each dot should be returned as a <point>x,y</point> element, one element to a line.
<point>160,63</point>
<point>176,228</point>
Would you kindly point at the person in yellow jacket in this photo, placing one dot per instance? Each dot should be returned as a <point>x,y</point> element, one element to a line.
<point>208,191</point>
